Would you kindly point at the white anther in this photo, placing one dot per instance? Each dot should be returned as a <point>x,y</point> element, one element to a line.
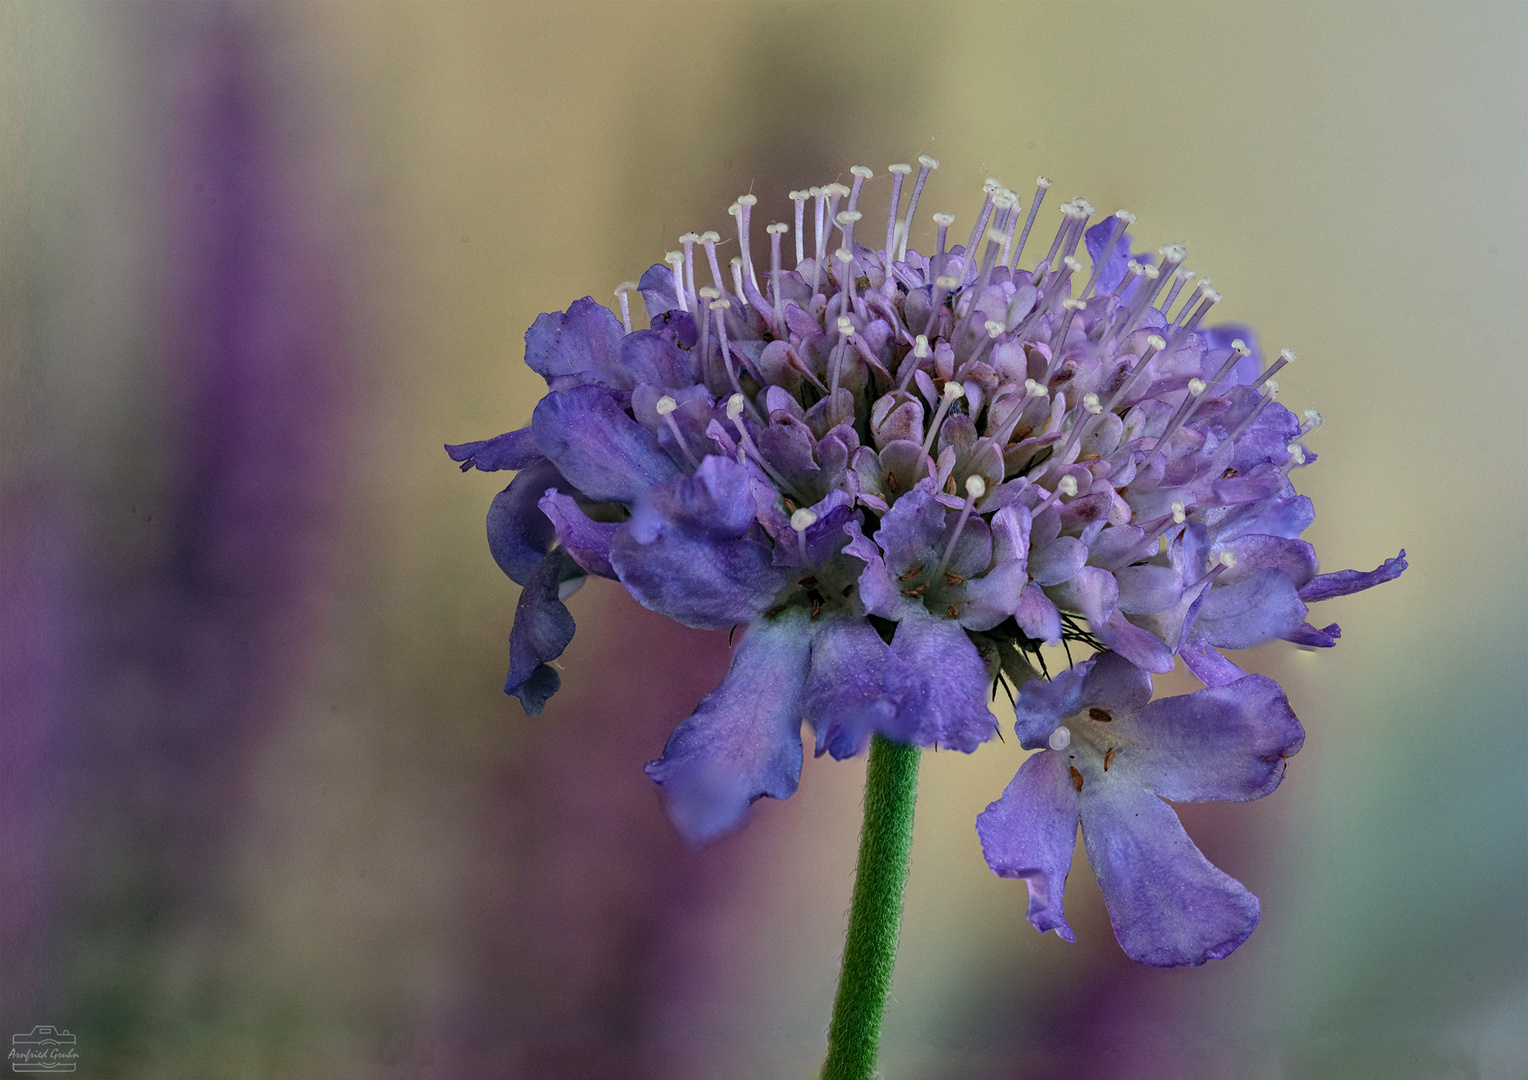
<point>674,259</point>
<point>861,171</point>
<point>1211,295</point>
<point>903,169</point>
<point>1091,404</point>
<point>1150,273</point>
<point>845,325</point>
<point>1074,305</point>
<point>709,237</point>
<point>836,189</point>
<point>1174,253</point>
<point>803,519</point>
<point>1068,485</point>
<point>800,196</point>
<point>1240,346</point>
<point>944,219</point>
<point>1196,387</point>
<point>1034,389</point>
<point>778,227</point>
<point>847,217</point>
<point>1083,207</point>
<point>994,328</point>
<point>947,282</point>
<point>1273,388</point>
<point>927,162</point>
<point>953,390</point>
<point>735,407</point>
<point>1071,264</point>
<point>1180,515</point>
<point>1005,200</point>
<point>690,238</point>
<point>733,210</point>
<point>844,255</point>
<point>666,405</point>
<point>1287,355</point>
<point>1156,342</point>
<point>976,487</point>
<point>920,347</point>
<point>1313,420</point>
<point>1126,216</point>
<point>1043,181</point>
<point>747,200</point>
<point>625,287</point>
<point>709,292</point>
<point>815,192</point>
<point>991,185</point>
<point>1297,452</point>
<point>1059,739</point>
<point>719,305</point>
<point>1228,559</point>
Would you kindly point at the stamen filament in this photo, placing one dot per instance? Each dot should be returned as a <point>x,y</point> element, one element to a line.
<point>926,165</point>
<point>976,487</point>
<point>952,391</point>
<point>1042,185</point>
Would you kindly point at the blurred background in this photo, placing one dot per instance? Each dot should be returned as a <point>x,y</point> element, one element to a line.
<point>266,811</point>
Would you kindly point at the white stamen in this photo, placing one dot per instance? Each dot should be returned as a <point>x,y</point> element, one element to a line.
<point>735,407</point>
<point>1034,389</point>
<point>1228,559</point>
<point>921,347</point>
<point>994,328</point>
<point>1091,404</point>
<point>675,259</point>
<point>736,264</point>
<point>1059,739</point>
<point>1296,452</point>
<point>665,405</point>
<point>1068,485</point>
<point>1180,514</point>
<point>803,519</point>
<point>800,198</point>
<point>926,165</point>
<point>976,487</point>
<point>709,240</point>
<point>1313,420</point>
<point>1196,387</point>
<point>688,242</point>
<point>1042,185</point>
<point>621,292</point>
<point>898,174</point>
<point>952,392</point>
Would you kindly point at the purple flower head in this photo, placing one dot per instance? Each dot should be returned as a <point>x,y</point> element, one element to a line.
<point>899,474</point>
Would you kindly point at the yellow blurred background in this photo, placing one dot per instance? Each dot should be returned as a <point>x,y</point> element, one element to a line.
<point>259,261</point>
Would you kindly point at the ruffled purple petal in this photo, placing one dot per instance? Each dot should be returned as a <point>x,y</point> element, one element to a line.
<point>587,541</point>
<point>1037,615</point>
<point>1343,582</point>
<point>1044,703</point>
<point>519,534</point>
<point>1229,743</point>
<point>857,686</point>
<point>605,453</point>
<point>580,345</point>
<point>675,555</point>
<point>1207,664</point>
<point>1168,905</point>
<point>1141,647</point>
<point>543,627</point>
<point>512,450</point>
<point>743,742</point>
<point>951,702</point>
<point>1309,636</point>
<point>1262,607</point>
<point>657,289</point>
<point>1030,832</point>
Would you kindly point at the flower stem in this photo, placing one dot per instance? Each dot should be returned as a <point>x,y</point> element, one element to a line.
<point>875,914</point>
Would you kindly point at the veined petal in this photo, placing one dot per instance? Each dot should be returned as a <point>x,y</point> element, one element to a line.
<point>857,686</point>
<point>1258,609</point>
<point>542,629</point>
<point>580,345</point>
<point>1168,905</point>
<point>587,541</point>
<point>952,708</point>
<point>743,742</point>
<point>1230,743</point>
<point>519,534</point>
<point>512,450</point>
<point>1029,833</point>
<point>605,453</point>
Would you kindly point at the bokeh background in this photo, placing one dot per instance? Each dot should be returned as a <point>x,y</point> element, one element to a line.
<point>266,812</point>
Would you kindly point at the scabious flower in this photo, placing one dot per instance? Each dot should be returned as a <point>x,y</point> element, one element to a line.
<point>900,474</point>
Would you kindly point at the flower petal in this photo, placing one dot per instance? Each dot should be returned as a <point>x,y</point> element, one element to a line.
<point>1343,582</point>
<point>542,629</point>
<point>605,453</point>
<point>1229,743</point>
<point>1030,832</point>
<point>581,345</point>
<point>512,450</point>
<point>857,686</point>
<point>1168,905</point>
<point>1258,609</point>
<point>743,742</point>
<point>951,709</point>
<point>519,534</point>
<point>587,541</point>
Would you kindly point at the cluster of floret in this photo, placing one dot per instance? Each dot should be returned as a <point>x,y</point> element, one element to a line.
<point>905,473</point>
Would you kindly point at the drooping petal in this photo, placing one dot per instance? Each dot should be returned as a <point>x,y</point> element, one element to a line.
<point>1168,905</point>
<point>586,540</point>
<point>543,627</point>
<point>1044,703</point>
<point>605,453</point>
<point>951,707</point>
<point>743,742</point>
<point>857,686</point>
<point>1141,647</point>
<point>1207,664</point>
<point>1030,832</point>
<point>1229,743</point>
<point>512,450</point>
<point>1343,582</point>
<point>1091,591</point>
<point>1037,615</point>
<point>519,534</point>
